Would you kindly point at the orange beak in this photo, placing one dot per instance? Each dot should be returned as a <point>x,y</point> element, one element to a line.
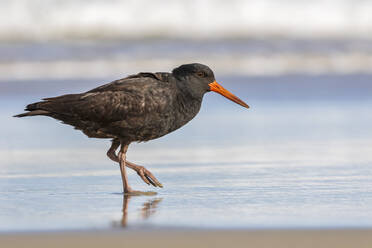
<point>221,90</point>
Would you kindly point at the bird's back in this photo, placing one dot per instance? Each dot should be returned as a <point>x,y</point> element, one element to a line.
<point>136,108</point>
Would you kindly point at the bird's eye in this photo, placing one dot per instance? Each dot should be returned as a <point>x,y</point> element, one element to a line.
<point>201,74</point>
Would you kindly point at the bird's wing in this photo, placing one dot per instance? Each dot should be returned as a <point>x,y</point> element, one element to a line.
<point>120,84</point>
<point>131,96</point>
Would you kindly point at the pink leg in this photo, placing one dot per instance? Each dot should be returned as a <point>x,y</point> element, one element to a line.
<point>145,174</point>
<point>124,177</point>
<point>111,152</point>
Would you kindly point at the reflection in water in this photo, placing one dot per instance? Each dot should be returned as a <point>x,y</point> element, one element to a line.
<point>149,207</point>
<point>147,210</point>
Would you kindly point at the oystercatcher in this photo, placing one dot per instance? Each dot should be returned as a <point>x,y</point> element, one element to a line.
<point>136,108</point>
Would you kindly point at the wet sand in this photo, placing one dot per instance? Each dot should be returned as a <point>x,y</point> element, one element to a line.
<point>194,238</point>
<point>298,159</point>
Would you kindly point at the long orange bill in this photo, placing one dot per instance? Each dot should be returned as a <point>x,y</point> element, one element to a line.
<point>221,90</point>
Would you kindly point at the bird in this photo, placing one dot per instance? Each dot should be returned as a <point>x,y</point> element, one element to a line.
<point>136,108</point>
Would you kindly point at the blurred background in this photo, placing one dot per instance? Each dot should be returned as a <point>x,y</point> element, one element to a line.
<point>300,157</point>
<point>85,39</point>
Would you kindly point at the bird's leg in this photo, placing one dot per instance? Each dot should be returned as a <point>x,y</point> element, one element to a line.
<point>111,152</point>
<point>145,174</point>
<point>124,177</point>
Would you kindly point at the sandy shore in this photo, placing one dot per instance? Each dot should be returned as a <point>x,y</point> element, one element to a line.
<point>182,238</point>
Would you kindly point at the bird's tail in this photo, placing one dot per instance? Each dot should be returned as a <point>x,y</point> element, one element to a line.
<point>33,110</point>
<point>32,113</point>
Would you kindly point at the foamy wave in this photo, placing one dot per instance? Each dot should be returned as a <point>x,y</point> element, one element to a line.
<point>69,19</point>
<point>275,64</point>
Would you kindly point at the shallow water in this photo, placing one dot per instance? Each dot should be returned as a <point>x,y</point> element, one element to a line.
<point>300,157</point>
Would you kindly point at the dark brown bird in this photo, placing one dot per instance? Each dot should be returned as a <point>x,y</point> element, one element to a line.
<point>138,108</point>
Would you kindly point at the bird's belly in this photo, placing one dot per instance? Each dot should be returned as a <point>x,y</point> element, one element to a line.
<point>144,128</point>
<point>158,127</point>
<point>167,122</point>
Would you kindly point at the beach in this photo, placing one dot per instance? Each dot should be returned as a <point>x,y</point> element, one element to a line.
<point>293,170</point>
<point>201,238</point>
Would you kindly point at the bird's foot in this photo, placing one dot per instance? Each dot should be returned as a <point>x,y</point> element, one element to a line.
<point>145,174</point>
<point>148,177</point>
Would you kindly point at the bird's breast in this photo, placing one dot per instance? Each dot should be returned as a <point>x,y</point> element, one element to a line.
<point>163,121</point>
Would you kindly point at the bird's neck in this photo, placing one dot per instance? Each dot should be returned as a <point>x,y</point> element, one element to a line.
<point>188,92</point>
<point>188,100</point>
<point>188,105</point>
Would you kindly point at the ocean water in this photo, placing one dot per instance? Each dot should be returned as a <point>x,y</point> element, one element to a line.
<point>125,19</point>
<point>300,157</point>
<point>106,60</point>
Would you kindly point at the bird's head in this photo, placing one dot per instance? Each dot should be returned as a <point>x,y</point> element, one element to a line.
<point>199,79</point>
